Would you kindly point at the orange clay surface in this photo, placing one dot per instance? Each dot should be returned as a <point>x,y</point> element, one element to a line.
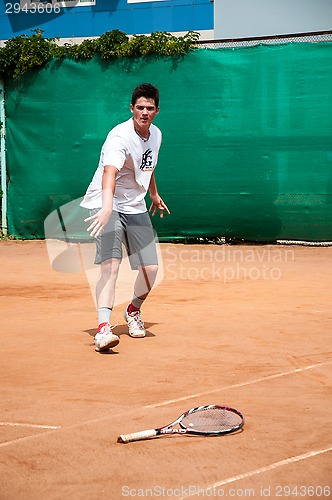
<point>244,326</point>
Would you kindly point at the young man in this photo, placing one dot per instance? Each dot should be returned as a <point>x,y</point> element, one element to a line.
<point>118,213</point>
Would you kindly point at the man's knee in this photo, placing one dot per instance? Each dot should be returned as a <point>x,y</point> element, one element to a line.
<point>150,271</point>
<point>110,267</point>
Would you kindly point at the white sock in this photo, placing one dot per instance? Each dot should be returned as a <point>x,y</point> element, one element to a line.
<point>104,315</point>
<point>137,301</point>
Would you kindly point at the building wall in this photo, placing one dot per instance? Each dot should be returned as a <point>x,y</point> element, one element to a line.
<point>76,20</point>
<point>250,18</point>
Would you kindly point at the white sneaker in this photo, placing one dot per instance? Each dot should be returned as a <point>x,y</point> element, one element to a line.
<point>135,324</point>
<point>105,338</point>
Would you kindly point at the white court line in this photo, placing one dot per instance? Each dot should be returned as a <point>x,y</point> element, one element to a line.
<point>49,430</point>
<point>25,438</point>
<point>32,426</point>
<point>255,472</point>
<point>242,384</point>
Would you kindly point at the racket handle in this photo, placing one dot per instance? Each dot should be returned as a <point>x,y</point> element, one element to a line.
<point>137,436</point>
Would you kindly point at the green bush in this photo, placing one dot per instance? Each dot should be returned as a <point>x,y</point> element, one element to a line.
<point>23,53</point>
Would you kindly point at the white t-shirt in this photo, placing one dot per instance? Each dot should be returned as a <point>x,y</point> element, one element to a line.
<point>135,159</point>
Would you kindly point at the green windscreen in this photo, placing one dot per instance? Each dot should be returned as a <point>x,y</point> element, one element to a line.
<point>247,140</point>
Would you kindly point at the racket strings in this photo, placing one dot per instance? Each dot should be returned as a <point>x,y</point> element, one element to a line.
<point>212,420</point>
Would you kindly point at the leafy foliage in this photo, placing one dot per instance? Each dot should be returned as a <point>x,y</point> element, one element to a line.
<point>23,53</point>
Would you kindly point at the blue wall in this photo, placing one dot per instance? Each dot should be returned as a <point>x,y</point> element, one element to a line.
<point>106,15</point>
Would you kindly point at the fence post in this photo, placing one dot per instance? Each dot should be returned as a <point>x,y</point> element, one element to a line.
<point>3,160</point>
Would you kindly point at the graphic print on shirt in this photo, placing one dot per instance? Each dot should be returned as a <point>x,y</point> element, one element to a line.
<point>147,161</point>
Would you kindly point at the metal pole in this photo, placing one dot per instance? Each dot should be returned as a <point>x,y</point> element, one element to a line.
<point>3,160</point>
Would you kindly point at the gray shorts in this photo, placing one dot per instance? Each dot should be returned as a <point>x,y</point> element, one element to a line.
<point>135,232</point>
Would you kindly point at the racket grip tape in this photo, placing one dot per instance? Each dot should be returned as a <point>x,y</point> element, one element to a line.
<point>137,436</point>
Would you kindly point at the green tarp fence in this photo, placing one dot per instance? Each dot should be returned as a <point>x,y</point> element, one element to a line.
<point>247,140</point>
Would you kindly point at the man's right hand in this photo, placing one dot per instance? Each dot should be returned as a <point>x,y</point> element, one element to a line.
<point>99,221</point>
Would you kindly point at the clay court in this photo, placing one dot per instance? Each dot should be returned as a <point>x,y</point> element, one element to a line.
<point>244,326</point>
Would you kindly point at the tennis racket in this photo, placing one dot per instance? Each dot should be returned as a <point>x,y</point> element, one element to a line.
<point>211,420</point>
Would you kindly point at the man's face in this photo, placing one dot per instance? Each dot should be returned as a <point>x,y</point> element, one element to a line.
<point>144,112</point>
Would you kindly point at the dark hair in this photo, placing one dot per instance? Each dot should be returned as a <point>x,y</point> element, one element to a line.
<point>145,90</point>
